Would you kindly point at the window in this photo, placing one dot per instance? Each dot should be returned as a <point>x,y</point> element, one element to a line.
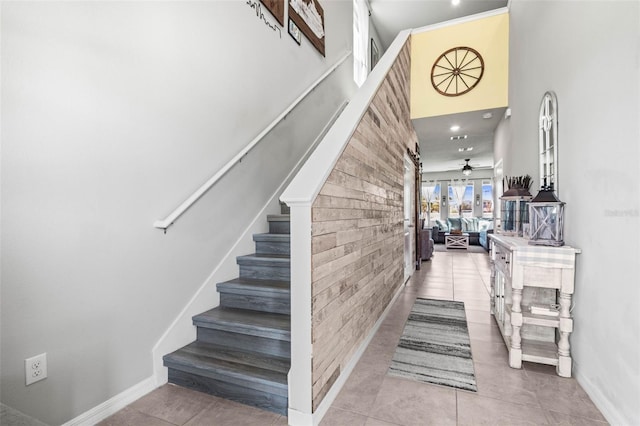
<point>430,202</point>
<point>461,199</point>
<point>487,199</point>
<point>360,40</point>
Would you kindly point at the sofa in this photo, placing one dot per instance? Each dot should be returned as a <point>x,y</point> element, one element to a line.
<point>484,240</point>
<point>476,227</point>
<point>426,244</point>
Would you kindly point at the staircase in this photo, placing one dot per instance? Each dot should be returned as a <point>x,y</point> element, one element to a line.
<point>242,350</point>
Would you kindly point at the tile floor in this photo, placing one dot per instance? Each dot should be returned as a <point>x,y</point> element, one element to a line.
<point>534,395</point>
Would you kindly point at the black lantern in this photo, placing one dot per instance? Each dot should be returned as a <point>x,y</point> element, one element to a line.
<point>546,219</point>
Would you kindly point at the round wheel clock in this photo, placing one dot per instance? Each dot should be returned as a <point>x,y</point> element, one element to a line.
<point>457,71</point>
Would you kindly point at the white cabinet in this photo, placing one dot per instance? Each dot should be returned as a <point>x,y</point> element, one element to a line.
<point>522,276</point>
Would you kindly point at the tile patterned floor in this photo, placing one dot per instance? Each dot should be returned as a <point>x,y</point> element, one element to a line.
<point>534,395</point>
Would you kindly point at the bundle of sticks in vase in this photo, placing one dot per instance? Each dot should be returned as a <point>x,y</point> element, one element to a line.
<point>518,185</point>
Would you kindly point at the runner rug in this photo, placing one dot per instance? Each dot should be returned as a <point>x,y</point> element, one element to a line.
<point>435,346</point>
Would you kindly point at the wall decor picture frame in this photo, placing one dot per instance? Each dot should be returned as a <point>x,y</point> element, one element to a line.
<point>276,7</point>
<point>308,15</point>
<point>375,54</point>
<point>294,31</point>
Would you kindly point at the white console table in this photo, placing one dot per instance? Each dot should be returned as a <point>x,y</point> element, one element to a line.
<point>523,275</point>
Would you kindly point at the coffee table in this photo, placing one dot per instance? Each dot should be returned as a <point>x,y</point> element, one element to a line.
<point>460,241</point>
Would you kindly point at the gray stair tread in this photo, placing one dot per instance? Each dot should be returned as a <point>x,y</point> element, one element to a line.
<point>270,286</point>
<point>242,320</point>
<point>279,218</point>
<point>219,361</point>
<point>272,237</point>
<point>266,259</point>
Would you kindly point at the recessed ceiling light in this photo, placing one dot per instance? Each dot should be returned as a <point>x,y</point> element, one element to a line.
<point>470,148</point>
<point>459,137</point>
<point>487,115</point>
<point>454,128</point>
<point>455,2</point>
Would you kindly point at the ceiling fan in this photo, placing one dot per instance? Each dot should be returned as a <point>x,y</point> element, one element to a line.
<point>467,169</point>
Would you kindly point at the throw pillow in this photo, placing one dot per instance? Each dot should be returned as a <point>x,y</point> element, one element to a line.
<point>485,224</point>
<point>442,226</point>
<point>455,223</point>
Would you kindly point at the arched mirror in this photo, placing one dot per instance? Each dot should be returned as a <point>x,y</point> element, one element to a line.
<point>548,139</point>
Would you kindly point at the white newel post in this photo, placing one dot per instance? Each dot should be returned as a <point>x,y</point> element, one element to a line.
<point>300,380</point>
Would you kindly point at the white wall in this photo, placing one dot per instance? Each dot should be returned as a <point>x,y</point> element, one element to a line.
<point>587,52</point>
<point>112,114</point>
<point>502,145</point>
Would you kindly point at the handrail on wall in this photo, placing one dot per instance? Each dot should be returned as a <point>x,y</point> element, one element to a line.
<point>169,220</point>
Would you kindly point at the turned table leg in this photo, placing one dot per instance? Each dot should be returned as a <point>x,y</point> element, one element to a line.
<point>515,354</point>
<point>565,329</point>
<point>492,280</point>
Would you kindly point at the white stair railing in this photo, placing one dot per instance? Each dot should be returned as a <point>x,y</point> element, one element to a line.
<point>299,196</point>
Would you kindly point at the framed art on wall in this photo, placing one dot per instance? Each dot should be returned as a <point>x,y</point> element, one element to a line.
<point>375,54</point>
<point>308,15</point>
<point>276,7</point>
<point>294,31</point>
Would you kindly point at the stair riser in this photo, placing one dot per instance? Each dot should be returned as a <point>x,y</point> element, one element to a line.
<point>264,400</point>
<point>271,388</point>
<point>280,348</point>
<point>279,227</point>
<point>265,272</point>
<point>256,303</point>
<point>273,247</point>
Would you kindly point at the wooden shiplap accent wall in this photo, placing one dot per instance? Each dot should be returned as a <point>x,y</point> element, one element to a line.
<point>357,230</point>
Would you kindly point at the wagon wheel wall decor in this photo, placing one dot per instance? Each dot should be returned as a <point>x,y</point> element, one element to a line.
<point>457,71</point>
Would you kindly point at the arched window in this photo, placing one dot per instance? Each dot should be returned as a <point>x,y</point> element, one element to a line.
<point>548,140</point>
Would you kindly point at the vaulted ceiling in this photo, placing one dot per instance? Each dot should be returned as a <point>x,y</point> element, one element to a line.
<point>440,153</point>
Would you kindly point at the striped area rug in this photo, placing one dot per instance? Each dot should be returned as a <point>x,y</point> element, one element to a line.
<point>435,346</point>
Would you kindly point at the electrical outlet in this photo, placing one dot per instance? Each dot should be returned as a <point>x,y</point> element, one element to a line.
<point>35,368</point>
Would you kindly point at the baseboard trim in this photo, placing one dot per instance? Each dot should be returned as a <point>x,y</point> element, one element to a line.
<point>610,413</point>
<point>298,418</point>
<point>115,404</point>
<point>314,419</point>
